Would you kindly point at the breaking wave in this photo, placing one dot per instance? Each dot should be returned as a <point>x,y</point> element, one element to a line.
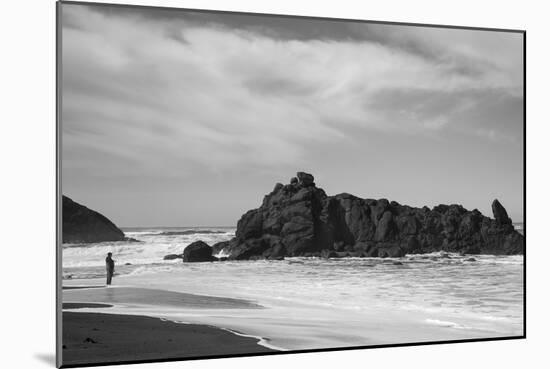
<point>154,245</point>
<point>448,290</point>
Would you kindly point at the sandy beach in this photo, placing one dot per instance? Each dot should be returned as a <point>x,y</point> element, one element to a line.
<point>95,338</point>
<point>287,305</point>
<point>311,311</point>
<point>94,332</point>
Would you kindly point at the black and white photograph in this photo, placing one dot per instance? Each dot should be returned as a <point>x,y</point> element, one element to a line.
<point>253,184</point>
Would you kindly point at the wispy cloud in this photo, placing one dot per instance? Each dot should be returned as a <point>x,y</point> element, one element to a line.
<point>156,94</point>
<point>176,90</point>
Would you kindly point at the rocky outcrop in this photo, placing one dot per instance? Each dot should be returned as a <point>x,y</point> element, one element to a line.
<point>218,248</point>
<point>197,252</point>
<point>172,257</point>
<point>299,219</point>
<point>500,214</point>
<point>83,225</point>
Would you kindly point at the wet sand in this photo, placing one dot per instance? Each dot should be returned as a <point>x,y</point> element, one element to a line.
<point>95,338</point>
<point>80,287</point>
<point>146,296</point>
<point>84,305</point>
<point>91,337</point>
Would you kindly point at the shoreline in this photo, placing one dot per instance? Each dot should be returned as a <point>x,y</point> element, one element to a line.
<point>95,338</point>
<point>84,305</point>
<point>302,304</point>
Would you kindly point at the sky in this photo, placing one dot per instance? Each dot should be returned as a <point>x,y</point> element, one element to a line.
<point>180,118</point>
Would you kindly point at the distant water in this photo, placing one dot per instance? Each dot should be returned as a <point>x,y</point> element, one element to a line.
<point>156,243</point>
<point>309,297</point>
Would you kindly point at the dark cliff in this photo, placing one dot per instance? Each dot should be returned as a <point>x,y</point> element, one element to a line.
<point>83,225</point>
<point>299,219</point>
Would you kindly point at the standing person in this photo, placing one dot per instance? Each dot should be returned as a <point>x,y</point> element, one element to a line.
<point>110,266</point>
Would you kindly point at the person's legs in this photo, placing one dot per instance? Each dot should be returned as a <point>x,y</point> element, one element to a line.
<point>109,277</point>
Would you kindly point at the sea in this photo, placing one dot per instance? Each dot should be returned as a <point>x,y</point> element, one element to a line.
<point>312,303</point>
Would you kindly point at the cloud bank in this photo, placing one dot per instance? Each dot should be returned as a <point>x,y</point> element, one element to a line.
<point>151,95</point>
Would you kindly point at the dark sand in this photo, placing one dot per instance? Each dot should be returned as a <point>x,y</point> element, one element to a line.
<point>94,338</point>
<point>84,305</point>
<point>80,287</point>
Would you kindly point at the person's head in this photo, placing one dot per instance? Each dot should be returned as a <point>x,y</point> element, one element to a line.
<point>109,254</point>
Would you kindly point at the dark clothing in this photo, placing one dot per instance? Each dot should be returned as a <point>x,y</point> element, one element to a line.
<point>110,266</point>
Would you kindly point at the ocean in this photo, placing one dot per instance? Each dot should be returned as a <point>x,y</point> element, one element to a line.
<point>310,302</point>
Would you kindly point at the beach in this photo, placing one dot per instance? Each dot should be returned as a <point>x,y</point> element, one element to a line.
<point>298,303</point>
<point>92,335</point>
<point>95,338</point>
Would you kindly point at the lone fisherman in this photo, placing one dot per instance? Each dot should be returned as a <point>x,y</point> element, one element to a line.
<point>110,266</point>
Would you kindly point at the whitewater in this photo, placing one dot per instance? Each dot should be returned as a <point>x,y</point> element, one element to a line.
<point>312,302</point>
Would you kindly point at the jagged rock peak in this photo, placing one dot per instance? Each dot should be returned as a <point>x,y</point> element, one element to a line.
<point>499,213</point>
<point>305,179</point>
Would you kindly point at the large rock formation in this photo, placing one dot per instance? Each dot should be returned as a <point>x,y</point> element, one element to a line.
<point>83,225</point>
<point>299,219</point>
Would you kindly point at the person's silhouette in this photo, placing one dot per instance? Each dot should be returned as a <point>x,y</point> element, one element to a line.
<point>110,266</point>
